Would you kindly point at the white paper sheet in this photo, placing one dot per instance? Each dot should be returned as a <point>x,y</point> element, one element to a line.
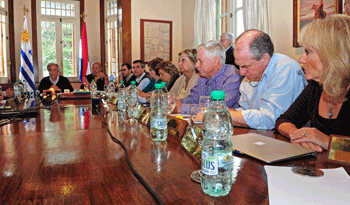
<point>286,187</point>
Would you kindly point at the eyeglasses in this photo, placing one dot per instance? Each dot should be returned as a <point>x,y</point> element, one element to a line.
<point>124,70</point>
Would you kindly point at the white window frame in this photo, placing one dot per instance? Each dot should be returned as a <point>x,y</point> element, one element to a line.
<point>6,77</point>
<point>59,49</point>
<point>108,19</point>
<point>231,14</point>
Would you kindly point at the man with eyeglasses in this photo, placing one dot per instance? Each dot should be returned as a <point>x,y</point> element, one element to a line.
<point>272,81</point>
<point>226,40</point>
<point>127,74</point>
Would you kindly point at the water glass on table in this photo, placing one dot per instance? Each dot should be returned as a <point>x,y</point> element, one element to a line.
<point>170,100</point>
<point>204,101</point>
<point>197,114</point>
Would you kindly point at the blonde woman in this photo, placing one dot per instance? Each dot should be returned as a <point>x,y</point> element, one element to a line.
<point>183,85</point>
<point>325,101</point>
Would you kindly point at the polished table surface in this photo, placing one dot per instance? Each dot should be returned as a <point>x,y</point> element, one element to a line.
<point>66,156</point>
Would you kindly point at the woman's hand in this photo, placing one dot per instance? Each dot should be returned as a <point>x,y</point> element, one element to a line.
<point>311,138</point>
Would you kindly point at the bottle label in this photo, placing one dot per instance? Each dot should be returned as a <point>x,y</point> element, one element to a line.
<point>159,123</point>
<point>211,164</point>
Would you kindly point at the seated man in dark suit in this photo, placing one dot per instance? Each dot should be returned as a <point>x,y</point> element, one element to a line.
<point>101,78</point>
<point>127,74</point>
<point>58,82</point>
<point>226,41</point>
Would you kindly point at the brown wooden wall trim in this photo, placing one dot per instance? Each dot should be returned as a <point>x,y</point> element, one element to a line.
<point>102,35</point>
<point>35,42</point>
<point>126,25</point>
<point>11,40</point>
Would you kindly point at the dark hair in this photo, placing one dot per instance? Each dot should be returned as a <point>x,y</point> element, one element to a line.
<point>154,63</point>
<point>168,67</point>
<point>141,62</point>
<point>127,65</point>
<point>259,45</point>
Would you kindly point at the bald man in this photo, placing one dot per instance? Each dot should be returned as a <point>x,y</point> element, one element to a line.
<point>272,81</point>
<point>101,78</point>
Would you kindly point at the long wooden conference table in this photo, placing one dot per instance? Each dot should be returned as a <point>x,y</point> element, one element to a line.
<point>66,156</point>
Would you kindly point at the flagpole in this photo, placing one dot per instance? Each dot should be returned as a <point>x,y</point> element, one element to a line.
<point>27,70</point>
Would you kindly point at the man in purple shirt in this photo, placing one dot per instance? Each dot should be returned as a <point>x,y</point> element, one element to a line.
<point>214,75</point>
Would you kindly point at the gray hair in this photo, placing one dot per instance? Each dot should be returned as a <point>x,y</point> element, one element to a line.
<point>259,45</point>
<point>212,49</point>
<point>51,64</point>
<point>228,36</point>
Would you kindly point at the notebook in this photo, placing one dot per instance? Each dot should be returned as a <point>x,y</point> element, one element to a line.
<point>268,149</point>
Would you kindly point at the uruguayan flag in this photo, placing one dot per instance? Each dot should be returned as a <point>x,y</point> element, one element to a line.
<point>27,71</point>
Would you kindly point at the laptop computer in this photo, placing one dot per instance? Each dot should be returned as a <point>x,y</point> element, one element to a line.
<point>266,149</point>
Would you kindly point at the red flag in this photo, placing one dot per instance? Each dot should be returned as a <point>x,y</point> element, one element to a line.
<point>84,65</point>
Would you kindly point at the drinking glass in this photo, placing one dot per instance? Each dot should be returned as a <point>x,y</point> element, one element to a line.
<point>132,100</point>
<point>196,118</point>
<point>170,100</point>
<point>0,89</point>
<point>204,101</point>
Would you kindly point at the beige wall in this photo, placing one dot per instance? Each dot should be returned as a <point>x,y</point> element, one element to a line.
<point>92,10</point>
<point>282,28</point>
<point>187,18</point>
<point>169,10</point>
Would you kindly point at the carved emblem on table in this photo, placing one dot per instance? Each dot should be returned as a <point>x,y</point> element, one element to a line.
<point>176,127</point>
<point>190,141</point>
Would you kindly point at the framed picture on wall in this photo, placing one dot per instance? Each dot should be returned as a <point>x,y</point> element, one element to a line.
<point>346,4</point>
<point>305,11</point>
<point>156,39</point>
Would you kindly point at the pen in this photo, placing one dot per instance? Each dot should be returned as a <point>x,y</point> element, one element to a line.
<point>237,152</point>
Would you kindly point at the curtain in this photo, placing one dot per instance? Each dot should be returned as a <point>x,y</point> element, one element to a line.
<point>204,22</point>
<point>256,15</point>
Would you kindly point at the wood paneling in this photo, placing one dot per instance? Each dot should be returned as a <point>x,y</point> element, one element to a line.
<point>11,40</point>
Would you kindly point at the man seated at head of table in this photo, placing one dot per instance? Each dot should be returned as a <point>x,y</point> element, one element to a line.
<point>142,78</point>
<point>325,100</point>
<point>272,81</point>
<point>127,74</point>
<point>55,81</point>
<point>101,79</point>
<point>214,75</point>
<point>8,93</point>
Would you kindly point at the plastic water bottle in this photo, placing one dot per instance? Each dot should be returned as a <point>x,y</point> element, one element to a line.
<point>158,121</point>
<point>16,89</point>
<point>132,100</point>
<point>111,88</point>
<point>164,88</point>
<point>217,147</point>
<point>121,97</point>
<point>25,89</point>
<point>93,88</point>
